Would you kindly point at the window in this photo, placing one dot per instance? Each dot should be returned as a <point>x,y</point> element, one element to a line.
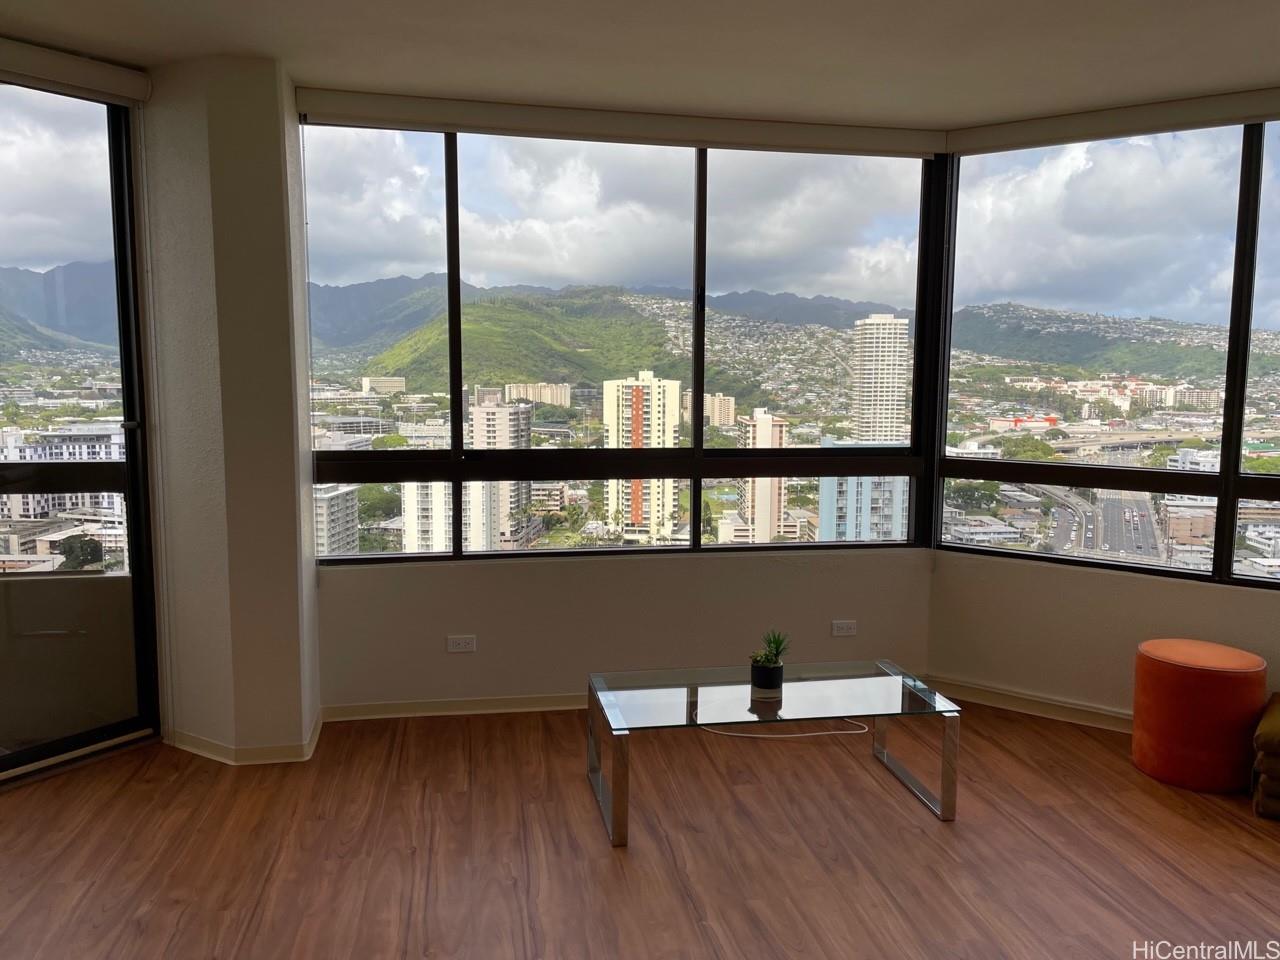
<point>563,386</point>
<point>811,285</point>
<point>577,312</point>
<point>1082,523</point>
<point>378,289</point>
<point>624,346</point>
<point>1092,300</point>
<point>1261,447</point>
<point>77,647</point>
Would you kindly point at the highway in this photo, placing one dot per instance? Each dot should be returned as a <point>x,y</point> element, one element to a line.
<point>1120,526</point>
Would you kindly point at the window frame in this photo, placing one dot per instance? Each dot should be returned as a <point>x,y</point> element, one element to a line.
<point>1229,486</point>
<point>694,463</point>
<point>923,460</point>
<point>128,477</point>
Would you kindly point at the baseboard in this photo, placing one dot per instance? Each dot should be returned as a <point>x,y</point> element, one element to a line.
<point>449,708</point>
<point>241,756</point>
<point>1035,704</point>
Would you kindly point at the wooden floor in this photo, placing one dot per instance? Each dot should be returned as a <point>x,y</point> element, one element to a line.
<point>477,837</point>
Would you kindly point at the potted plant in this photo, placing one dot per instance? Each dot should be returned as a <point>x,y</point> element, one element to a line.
<point>766,664</point>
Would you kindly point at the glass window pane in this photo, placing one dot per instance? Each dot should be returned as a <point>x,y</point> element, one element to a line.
<point>1092,295</point>
<point>60,391</point>
<point>780,510</point>
<point>576,264</point>
<point>1261,451</point>
<point>575,514</point>
<point>1119,526</point>
<point>63,533</point>
<point>1258,539</point>
<point>378,288</point>
<point>362,518</point>
<point>811,283</point>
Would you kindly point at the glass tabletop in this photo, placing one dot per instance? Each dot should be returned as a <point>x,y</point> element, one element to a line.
<point>708,696</point>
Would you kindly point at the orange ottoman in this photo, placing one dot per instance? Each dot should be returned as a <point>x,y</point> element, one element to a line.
<point>1195,707</point>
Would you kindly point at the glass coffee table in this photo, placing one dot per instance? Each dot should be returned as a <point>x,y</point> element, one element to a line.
<point>620,703</point>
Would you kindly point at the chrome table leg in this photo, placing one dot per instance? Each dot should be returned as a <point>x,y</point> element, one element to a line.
<point>943,806</point>
<point>611,794</point>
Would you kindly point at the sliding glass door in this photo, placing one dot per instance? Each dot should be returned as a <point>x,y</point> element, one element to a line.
<point>77,639</point>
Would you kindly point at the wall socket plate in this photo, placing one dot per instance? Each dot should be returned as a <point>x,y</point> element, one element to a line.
<point>844,628</point>
<point>464,643</point>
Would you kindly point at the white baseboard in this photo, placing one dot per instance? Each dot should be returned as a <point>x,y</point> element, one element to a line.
<point>1035,704</point>
<point>1021,701</point>
<point>450,708</point>
<point>240,756</point>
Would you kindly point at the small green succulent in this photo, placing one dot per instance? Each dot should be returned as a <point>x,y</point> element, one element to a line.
<point>770,655</point>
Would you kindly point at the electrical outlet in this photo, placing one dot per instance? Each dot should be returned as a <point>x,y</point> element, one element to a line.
<point>844,628</point>
<point>462,644</point>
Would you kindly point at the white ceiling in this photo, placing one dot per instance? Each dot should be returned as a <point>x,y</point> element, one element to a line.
<point>911,63</point>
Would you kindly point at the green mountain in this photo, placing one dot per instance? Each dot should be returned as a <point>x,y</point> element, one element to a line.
<point>580,335</point>
<point>1144,346</point>
<point>17,334</point>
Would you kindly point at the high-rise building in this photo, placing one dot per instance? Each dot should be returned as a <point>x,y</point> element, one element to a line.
<point>881,372</point>
<point>862,509</point>
<point>500,426</point>
<point>762,501</point>
<point>642,412</point>
<point>337,516</point>
<point>858,508</point>
<point>556,393</point>
<point>718,410</point>
<point>487,396</point>
<point>496,514</point>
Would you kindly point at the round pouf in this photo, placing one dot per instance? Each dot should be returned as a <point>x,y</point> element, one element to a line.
<point>1195,707</point>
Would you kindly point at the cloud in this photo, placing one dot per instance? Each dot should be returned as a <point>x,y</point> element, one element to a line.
<point>375,204</point>
<point>1134,226</point>
<point>1143,226</point>
<point>55,188</point>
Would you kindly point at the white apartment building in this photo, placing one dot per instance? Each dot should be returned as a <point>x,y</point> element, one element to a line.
<point>882,370</point>
<point>77,442</point>
<point>500,426</point>
<point>428,517</point>
<point>762,501</point>
<point>718,410</point>
<point>555,393</point>
<point>382,385</point>
<point>642,412</point>
<point>337,519</point>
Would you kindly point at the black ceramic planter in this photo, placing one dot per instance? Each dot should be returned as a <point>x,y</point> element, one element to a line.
<point>766,678</point>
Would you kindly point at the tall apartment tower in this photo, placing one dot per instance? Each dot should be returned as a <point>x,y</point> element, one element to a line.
<point>500,426</point>
<point>495,514</point>
<point>858,508</point>
<point>882,370</point>
<point>642,412</point>
<point>762,501</point>
<point>337,516</point>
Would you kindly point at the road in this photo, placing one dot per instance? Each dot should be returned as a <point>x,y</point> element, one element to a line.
<point>1120,526</point>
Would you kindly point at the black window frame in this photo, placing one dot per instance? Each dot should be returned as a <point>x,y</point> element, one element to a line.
<point>1228,486</point>
<point>128,477</point>
<point>923,461</point>
<point>459,465</point>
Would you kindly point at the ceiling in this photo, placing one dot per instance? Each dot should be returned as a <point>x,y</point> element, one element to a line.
<point>935,64</point>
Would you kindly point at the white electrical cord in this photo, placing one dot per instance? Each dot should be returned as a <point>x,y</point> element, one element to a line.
<point>790,736</point>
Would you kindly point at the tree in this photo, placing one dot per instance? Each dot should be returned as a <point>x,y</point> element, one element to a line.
<point>377,502</point>
<point>1054,433</point>
<point>1023,447</point>
<point>389,442</point>
<point>80,551</point>
<point>973,496</point>
<point>1263,465</point>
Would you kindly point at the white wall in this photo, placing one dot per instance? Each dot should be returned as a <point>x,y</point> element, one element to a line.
<point>543,624</point>
<point>223,222</point>
<point>1069,634</point>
